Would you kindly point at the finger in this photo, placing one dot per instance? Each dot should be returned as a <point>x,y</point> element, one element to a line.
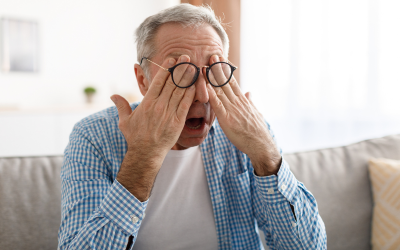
<point>235,86</point>
<point>123,107</point>
<point>249,98</point>
<point>188,76</point>
<point>217,71</point>
<point>159,80</point>
<point>215,102</point>
<point>184,73</point>
<point>169,86</point>
<point>185,103</point>
<point>247,95</point>
<point>179,73</point>
<point>176,98</point>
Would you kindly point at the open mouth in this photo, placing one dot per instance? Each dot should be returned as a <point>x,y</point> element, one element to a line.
<point>194,123</point>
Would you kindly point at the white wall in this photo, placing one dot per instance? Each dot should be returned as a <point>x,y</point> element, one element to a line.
<point>82,42</point>
<point>323,73</point>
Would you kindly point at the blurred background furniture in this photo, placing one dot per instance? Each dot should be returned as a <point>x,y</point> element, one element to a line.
<point>338,177</point>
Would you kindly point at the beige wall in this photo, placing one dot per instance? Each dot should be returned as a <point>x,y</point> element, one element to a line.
<point>229,11</point>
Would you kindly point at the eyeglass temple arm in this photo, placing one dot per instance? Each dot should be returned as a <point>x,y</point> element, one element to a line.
<point>167,69</point>
<point>228,62</point>
<point>152,62</point>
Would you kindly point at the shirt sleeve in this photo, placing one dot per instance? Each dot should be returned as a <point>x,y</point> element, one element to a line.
<point>97,211</point>
<point>284,229</point>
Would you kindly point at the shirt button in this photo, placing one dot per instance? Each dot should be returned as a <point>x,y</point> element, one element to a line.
<point>270,190</point>
<point>283,187</point>
<point>134,219</point>
<point>294,224</point>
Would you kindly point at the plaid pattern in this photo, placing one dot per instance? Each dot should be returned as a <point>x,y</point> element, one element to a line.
<point>99,213</point>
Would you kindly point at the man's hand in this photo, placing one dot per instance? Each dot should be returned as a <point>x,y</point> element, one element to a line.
<point>243,124</point>
<point>151,130</point>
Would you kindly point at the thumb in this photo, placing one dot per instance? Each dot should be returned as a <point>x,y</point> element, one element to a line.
<point>248,95</point>
<point>124,109</point>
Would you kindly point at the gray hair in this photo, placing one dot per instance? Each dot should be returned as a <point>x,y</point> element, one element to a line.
<point>185,14</point>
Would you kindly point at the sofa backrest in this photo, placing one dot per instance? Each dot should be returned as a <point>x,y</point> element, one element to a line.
<point>339,180</point>
<point>30,194</point>
<point>30,201</point>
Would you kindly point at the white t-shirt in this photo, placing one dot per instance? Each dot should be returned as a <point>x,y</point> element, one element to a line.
<point>179,214</point>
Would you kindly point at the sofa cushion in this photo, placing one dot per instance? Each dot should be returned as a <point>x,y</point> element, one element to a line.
<point>339,180</point>
<point>385,178</point>
<point>30,202</point>
<point>30,194</point>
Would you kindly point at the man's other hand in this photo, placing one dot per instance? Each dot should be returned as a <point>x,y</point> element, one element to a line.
<point>243,124</point>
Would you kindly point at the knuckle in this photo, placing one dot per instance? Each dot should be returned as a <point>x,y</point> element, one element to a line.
<point>170,82</point>
<point>157,82</point>
<point>120,108</point>
<point>219,92</point>
<point>177,92</point>
<point>238,102</point>
<point>219,104</point>
<point>233,82</point>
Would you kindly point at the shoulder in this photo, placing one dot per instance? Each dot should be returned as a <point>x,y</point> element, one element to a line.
<point>99,129</point>
<point>97,136</point>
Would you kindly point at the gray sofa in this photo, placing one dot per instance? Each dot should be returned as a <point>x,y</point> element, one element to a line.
<point>338,178</point>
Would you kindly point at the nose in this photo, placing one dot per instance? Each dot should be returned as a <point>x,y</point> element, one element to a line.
<point>201,95</point>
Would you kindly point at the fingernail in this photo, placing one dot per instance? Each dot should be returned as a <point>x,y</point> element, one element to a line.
<point>215,58</point>
<point>113,99</point>
<point>171,62</point>
<point>183,58</point>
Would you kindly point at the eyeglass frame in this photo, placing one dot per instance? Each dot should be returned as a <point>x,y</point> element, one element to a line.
<point>171,70</point>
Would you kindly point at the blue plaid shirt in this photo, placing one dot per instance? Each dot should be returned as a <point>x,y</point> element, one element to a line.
<point>99,213</point>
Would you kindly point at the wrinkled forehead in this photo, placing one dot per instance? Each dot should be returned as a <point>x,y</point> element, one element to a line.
<point>200,43</point>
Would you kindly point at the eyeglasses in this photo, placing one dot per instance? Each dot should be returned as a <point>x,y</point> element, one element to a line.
<point>185,74</point>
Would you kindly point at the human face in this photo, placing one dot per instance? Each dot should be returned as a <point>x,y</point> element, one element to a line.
<point>198,45</point>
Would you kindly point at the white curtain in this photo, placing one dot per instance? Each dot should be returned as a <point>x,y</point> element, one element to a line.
<point>323,72</point>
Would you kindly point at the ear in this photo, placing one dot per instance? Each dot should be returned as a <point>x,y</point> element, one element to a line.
<point>142,81</point>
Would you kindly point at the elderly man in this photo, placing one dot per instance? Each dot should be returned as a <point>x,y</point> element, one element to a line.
<point>165,173</point>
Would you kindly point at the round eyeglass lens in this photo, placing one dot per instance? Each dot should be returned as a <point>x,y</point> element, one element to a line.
<point>219,73</point>
<point>184,74</point>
